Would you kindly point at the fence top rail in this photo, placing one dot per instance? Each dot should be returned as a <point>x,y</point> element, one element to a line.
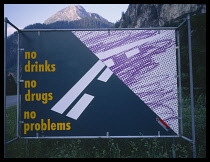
<point>98,29</point>
<point>92,29</point>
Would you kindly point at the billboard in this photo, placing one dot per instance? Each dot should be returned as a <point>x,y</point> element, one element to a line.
<point>88,83</point>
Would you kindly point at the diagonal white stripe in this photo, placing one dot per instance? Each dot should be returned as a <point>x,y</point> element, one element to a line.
<point>111,52</point>
<point>80,106</point>
<point>75,91</point>
<point>105,75</point>
<point>109,63</point>
<point>132,52</point>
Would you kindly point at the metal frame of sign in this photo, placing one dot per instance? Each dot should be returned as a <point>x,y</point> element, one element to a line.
<point>107,134</point>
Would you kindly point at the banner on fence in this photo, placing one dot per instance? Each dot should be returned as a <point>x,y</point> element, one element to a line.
<point>88,83</point>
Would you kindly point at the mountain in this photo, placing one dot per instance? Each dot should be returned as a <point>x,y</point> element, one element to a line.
<point>69,13</point>
<point>72,13</point>
<point>153,15</point>
<point>97,16</point>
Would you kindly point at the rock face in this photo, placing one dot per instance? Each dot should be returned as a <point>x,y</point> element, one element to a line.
<point>153,15</point>
<point>71,13</point>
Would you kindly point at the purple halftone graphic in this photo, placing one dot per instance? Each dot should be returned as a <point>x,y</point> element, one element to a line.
<point>145,60</point>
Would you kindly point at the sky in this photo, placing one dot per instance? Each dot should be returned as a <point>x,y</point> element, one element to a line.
<point>22,15</point>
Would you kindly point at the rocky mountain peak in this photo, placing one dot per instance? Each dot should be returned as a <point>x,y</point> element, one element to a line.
<point>72,13</point>
<point>152,15</point>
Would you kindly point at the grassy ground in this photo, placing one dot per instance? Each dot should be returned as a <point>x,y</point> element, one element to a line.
<point>112,148</point>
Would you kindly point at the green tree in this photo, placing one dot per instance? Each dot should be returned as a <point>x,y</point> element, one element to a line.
<point>11,87</point>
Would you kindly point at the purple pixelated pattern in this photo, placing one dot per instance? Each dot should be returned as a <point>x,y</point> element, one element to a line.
<point>145,60</point>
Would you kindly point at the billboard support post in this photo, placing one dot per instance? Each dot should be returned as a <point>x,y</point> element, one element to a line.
<point>180,82</point>
<point>5,75</point>
<point>173,148</point>
<point>18,83</point>
<point>191,85</point>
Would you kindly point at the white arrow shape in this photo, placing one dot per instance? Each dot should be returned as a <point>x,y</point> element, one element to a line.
<point>78,88</point>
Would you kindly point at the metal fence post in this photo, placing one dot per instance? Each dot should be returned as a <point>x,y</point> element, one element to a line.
<point>173,148</point>
<point>5,84</point>
<point>18,84</point>
<point>191,86</point>
<point>180,82</point>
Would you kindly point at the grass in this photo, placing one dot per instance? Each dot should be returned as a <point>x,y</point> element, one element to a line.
<point>112,148</point>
